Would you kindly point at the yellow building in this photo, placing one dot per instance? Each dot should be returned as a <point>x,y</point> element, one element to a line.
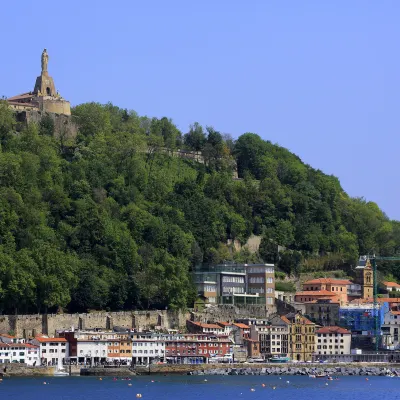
<point>301,337</point>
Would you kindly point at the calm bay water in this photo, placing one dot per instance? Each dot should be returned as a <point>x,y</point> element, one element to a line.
<point>194,387</point>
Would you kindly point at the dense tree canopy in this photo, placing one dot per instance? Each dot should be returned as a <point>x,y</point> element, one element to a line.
<point>112,220</point>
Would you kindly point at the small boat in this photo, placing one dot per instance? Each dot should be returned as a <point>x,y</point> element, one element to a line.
<point>320,375</point>
<point>329,378</point>
<point>60,370</point>
<point>311,375</point>
<point>279,359</point>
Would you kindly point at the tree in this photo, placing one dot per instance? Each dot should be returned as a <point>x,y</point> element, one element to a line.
<point>195,138</point>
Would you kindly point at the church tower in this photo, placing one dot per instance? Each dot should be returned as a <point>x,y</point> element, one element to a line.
<point>365,277</point>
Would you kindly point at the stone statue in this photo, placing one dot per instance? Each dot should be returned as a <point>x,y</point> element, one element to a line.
<point>45,60</point>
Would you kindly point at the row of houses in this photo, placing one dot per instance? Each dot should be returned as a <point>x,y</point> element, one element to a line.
<point>292,335</point>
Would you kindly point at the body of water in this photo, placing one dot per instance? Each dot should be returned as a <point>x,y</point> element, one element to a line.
<point>200,388</point>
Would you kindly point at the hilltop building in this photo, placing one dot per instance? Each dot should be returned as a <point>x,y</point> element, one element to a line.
<point>44,96</point>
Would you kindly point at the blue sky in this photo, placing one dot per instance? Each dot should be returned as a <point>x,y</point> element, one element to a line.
<point>321,78</point>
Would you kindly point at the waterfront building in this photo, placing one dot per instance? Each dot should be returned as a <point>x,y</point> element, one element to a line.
<point>52,351</point>
<point>147,347</point>
<point>273,337</point>
<point>253,347</point>
<point>240,332</point>
<point>391,327</point>
<point>195,349</point>
<point>23,353</point>
<point>301,337</point>
<point>359,318</point>
<point>98,347</point>
<point>332,340</point>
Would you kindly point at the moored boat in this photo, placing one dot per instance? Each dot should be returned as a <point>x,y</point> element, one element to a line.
<point>279,359</point>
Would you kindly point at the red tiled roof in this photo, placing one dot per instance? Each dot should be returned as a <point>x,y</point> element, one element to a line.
<point>307,321</point>
<point>316,293</point>
<point>241,326</point>
<point>224,323</point>
<point>328,280</point>
<point>391,284</point>
<point>46,340</point>
<point>333,329</point>
<point>395,312</point>
<point>209,326</point>
<point>7,336</point>
<point>21,96</point>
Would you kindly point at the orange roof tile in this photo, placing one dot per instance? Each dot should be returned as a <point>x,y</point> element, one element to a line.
<point>316,293</point>
<point>224,323</point>
<point>391,284</point>
<point>241,326</point>
<point>328,280</point>
<point>46,340</point>
<point>333,329</point>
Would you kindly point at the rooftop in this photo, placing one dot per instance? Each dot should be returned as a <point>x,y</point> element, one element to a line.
<point>42,339</point>
<point>328,281</point>
<point>391,284</point>
<point>316,293</point>
<point>241,326</point>
<point>333,329</point>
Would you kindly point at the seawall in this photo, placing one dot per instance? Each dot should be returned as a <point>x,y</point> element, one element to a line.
<point>373,369</point>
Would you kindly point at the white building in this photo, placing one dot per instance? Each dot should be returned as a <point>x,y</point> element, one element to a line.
<point>91,350</point>
<point>5,338</point>
<point>147,348</point>
<point>332,340</point>
<point>52,351</point>
<point>227,328</point>
<point>391,328</point>
<point>22,353</point>
<point>390,286</point>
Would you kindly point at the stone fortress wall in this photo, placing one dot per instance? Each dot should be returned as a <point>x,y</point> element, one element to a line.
<point>49,324</point>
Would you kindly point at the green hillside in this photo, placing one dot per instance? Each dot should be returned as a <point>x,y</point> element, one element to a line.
<point>112,221</point>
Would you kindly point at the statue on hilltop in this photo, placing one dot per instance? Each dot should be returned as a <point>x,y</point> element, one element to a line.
<point>45,60</point>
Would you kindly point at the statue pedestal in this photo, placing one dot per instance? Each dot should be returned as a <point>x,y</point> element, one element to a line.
<point>44,85</point>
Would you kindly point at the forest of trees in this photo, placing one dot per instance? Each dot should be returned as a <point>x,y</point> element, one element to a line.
<point>109,221</point>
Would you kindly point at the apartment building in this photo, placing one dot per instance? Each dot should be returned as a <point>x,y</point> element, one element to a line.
<point>273,337</point>
<point>147,347</point>
<point>52,351</point>
<point>331,340</point>
<point>24,353</point>
<point>336,286</point>
<point>195,349</point>
<point>301,337</point>
<point>236,283</point>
